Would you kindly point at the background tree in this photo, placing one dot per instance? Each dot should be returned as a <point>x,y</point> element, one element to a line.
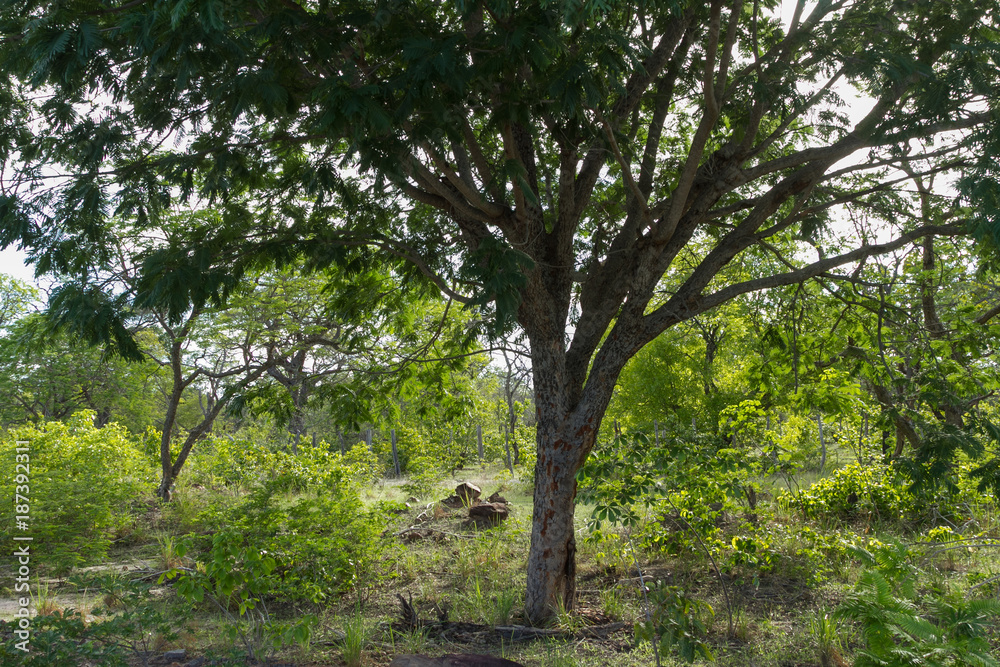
<point>585,169</point>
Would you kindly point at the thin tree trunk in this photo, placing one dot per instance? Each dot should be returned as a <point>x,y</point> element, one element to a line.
<point>822,443</point>
<point>506,448</point>
<point>169,420</point>
<point>395,454</point>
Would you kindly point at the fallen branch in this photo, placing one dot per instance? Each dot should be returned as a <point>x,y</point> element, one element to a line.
<point>415,529</point>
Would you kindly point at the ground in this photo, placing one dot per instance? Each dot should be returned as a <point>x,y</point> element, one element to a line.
<point>466,587</point>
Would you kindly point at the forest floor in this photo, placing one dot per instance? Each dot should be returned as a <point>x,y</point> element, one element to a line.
<point>466,587</point>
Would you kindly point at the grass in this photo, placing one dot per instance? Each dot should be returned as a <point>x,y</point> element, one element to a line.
<point>44,600</point>
<point>355,638</point>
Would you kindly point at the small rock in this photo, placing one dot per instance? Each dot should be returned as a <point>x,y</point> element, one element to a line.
<point>176,655</point>
<point>415,535</point>
<point>197,662</point>
<point>497,498</point>
<point>468,492</point>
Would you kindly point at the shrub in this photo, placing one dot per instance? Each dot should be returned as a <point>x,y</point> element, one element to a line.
<point>237,577</point>
<point>323,542</point>
<point>678,622</point>
<point>62,639</point>
<point>81,484</point>
<point>853,491</point>
<point>422,476</point>
<point>902,626</point>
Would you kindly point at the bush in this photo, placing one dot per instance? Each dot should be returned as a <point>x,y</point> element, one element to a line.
<point>62,639</point>
<point>245,464</point>
<point>81,484</point>
<point>854,491</point>
<point>323,542</point>
<point>237,577</point>
<point>422,476</point>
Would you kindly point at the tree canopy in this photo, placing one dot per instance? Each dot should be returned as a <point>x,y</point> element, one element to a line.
<point>595,171</point>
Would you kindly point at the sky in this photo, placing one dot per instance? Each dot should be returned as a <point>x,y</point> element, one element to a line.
<point>12,263</point>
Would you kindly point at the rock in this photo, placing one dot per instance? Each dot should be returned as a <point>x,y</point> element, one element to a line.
<point>497,498</point>
<point>487,515</point>
<point>177,655</point>
<point>452,660</point>
<point>416,535</point>
<point>197,662</point>
<point>468,492</point>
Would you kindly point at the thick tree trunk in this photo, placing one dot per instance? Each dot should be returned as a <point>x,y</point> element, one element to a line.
<point>552,559</point>
<point>566,432</point>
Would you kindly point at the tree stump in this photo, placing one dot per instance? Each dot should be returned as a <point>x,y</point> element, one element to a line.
<point>468,492</point>
<point>487,515</point>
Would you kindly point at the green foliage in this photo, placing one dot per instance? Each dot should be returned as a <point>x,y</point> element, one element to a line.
<point>322,543</point>
<point>237,576</point>
<point>632,476</point>
<point>870,491</point>
<point>64,639</point>
<point>678,623</point>
<point>132,618</point>
<point>247,460</point>
<point>81,481</point>
<point>423,475</point>
<point>126,630</point>
<point>901,628</point>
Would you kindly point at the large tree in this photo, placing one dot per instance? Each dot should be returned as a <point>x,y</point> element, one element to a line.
<point>591,170</point>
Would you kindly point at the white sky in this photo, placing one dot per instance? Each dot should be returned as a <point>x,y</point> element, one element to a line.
<point>12,262</point>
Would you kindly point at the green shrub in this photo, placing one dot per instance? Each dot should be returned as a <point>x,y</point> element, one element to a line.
<point>902,625</point>
<point>244,463</point>
<point>237,577</point>
<point>62,639</point>
<point>322,538</point>
<point>852,491</point>
<point>677,622</point>
<point>422,476</point>
<point>81,485</point>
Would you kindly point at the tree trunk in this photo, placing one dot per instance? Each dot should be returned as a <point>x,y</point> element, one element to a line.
<point>169,421</point>
<point>552,559</point>
<point>564,439</point>
<point>822,444</point>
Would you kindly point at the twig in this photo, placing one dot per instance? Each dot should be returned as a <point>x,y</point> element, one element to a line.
<point>414,529</point>
<point>645,597</point>
<point>718,572</point>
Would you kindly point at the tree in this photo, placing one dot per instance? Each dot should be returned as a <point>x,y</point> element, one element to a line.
<point>587,170</point>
